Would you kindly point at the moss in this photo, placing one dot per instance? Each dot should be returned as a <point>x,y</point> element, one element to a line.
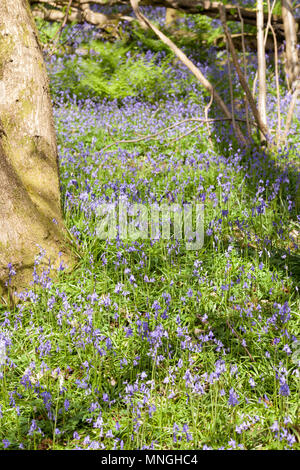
<point>11,121</point>
<point>6,48</point>
<point>26,35</point>
<point>25,99</point>
<point>41,65</point>
<point>26,108</point>
<point>6,124</point>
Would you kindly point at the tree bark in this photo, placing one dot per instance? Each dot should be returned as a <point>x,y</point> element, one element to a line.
<point>261,63</point>
<point>30,210</point>
<point>290,31</point>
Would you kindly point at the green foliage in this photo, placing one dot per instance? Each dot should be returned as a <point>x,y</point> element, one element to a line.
<point>202,26</point>
<point>106,70</point>
<point>115,77</point>
<point>46,30</point>
<point>144,41</point>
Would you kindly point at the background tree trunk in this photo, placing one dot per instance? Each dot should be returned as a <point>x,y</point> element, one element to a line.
<point>290,31</point>
<point>30,211</point>
<point>261,62</point>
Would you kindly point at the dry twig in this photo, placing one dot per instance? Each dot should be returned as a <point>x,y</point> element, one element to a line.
<point>206,109</point>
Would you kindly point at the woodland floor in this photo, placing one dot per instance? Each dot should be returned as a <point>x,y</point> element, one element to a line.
<point>147,344</point>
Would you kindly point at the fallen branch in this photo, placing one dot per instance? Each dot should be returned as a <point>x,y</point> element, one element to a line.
<point>202,7</point>
<point>154,136</point>
<point>78,13</point>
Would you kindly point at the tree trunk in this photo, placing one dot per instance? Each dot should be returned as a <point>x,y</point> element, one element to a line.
<point>30,211</point>
<point>290,31</point>
<point>261,62</point>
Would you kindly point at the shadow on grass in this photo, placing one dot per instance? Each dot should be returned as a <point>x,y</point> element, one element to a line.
<point>272,170</point>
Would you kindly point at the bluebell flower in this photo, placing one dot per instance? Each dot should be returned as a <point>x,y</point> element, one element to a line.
<point>233,398</point>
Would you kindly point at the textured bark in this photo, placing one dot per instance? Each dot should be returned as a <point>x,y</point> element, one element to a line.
<point>30,211</point>
<point>290,113</point>
<point>261,63</point>
<point>290,32</point>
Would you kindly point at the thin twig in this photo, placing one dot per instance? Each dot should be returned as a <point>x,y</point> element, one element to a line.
<point>206,109</point>
<point>52,51</point>
<point>240,339</point>
<point>59,31</point>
